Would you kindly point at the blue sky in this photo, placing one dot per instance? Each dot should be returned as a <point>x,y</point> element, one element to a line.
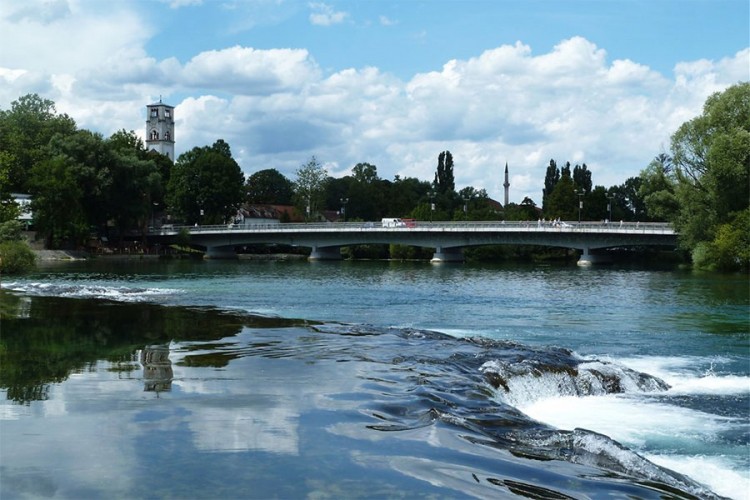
<point>392,83</point>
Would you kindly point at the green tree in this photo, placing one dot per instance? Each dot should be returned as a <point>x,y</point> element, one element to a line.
<point>711,156</point>
<point>582,178</point>
<point>563,202</point>
<point>9,209</point>
<point>658,190</point>
<point>551,178</point>
<point>25,130</point>
<point>59,215</point>
<point>365,173</point>
<point>270,187</point>
<point>206,185</point>
<point>444,180</point>
<point>309,187</point>
<point>366,195</point>
<point>404,195</point>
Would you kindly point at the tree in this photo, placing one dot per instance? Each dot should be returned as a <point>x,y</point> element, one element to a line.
<point>309,187</point>
<point>365,173</point>
<point>444,181</point>
<point>711,157</point>
<point>206,185</point>
<point>367,194</point>
<point>25,131</point>
<point>57,203</point>
<point>551,178</point>
<point>658,189</point>
<point>582,178</point>
<point>9,209</point>
<point>563,202</point>
<point>270,187</point>
<point>404,195</point>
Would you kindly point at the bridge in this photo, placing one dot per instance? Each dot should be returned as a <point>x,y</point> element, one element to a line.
<point>447,238</point>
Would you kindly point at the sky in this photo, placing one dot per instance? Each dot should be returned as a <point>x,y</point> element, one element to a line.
<point>386,82</point>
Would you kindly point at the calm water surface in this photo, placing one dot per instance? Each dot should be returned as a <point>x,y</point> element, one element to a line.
<point>251,379</point>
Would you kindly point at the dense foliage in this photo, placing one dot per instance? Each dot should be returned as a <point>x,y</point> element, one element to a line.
<point>206,185</point>
<point>711,181</point>
<point>269,186</point>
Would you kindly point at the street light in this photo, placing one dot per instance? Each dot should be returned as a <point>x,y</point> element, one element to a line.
<point>432,203</point>
<point>580,204</point>
<point>466,207</point>
<point>344,201</point>
<point>610,197</point>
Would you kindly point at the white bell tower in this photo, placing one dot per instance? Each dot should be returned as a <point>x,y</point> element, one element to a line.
<point>160,128</point>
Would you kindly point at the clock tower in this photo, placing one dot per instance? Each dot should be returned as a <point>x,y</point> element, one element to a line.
<point>160,128</point>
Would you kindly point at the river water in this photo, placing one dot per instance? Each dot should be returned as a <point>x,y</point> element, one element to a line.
<point>288,379</point>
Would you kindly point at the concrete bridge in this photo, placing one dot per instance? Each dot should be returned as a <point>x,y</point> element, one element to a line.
<point>447,238</point>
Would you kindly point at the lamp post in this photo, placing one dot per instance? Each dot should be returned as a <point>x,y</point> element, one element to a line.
<point>466,207</point>
<point>580,204</point>
<point>344,201</point>
<point>610,197</point>
<point>432,204</point>
<point>153,215</point>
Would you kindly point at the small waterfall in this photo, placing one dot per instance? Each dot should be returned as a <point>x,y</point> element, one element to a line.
<point>530,380</point>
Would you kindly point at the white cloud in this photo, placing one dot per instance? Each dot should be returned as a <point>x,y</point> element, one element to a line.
<point>176,4</point>
<point>248,71</point>
<point>324,15</point>
<point>386,21</point>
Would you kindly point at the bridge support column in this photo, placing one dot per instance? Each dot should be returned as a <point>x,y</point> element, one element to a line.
<point>220,253</point>
<point>587,258</point>
<point>449,254</point>
<point>325,253</point>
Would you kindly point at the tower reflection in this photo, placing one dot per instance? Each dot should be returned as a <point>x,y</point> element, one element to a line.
<point>157,368</point>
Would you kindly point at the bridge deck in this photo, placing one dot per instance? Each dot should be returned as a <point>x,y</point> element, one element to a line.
<point>428,227</point>
<point>448,238</point>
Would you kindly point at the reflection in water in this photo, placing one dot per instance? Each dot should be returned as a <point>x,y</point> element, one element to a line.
<point>157,369</point>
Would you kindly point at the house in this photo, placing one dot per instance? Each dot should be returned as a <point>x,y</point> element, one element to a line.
<point>24,202</point>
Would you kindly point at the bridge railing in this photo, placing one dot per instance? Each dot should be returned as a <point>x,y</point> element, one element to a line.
<point>428,226</point>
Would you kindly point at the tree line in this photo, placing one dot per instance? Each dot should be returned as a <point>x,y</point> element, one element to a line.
<point>83,183</point>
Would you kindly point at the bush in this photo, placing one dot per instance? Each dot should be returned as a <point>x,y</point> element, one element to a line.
<point>16,257</point>
<point>10,230</point>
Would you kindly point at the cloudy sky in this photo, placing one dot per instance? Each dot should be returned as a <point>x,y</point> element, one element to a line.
<point>388,82</point>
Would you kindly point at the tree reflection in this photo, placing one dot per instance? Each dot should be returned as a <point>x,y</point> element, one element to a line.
<point>45,339</point>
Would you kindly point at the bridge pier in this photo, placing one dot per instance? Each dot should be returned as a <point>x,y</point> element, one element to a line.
<point>220,253</point>
<point>587,258</point>
<point>325,253</point>
<point>449,254</point>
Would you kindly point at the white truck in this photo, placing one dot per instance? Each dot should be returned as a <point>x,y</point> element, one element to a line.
<point>393,222</point>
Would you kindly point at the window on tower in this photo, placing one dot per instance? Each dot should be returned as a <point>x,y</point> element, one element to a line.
<point>167,113</point>
<point>167,137</point>
<point>154,112</point>
<point>154,135</point>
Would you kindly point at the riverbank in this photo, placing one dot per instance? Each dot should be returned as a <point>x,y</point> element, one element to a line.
<point>46,255</point>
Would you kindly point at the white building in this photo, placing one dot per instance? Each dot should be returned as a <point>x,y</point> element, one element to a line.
<point>24,202</point>
<point>160,128</point>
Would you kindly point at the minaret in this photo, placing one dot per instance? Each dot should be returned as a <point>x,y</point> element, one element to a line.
<point>160,128</point>
<point>506,185</point>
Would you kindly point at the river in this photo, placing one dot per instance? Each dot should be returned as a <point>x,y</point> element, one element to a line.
<point>356,379</point>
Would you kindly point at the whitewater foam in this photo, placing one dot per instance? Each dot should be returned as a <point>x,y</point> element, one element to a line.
<point>117,293</point>
<point>689,375</point>
<point>714,472</point>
